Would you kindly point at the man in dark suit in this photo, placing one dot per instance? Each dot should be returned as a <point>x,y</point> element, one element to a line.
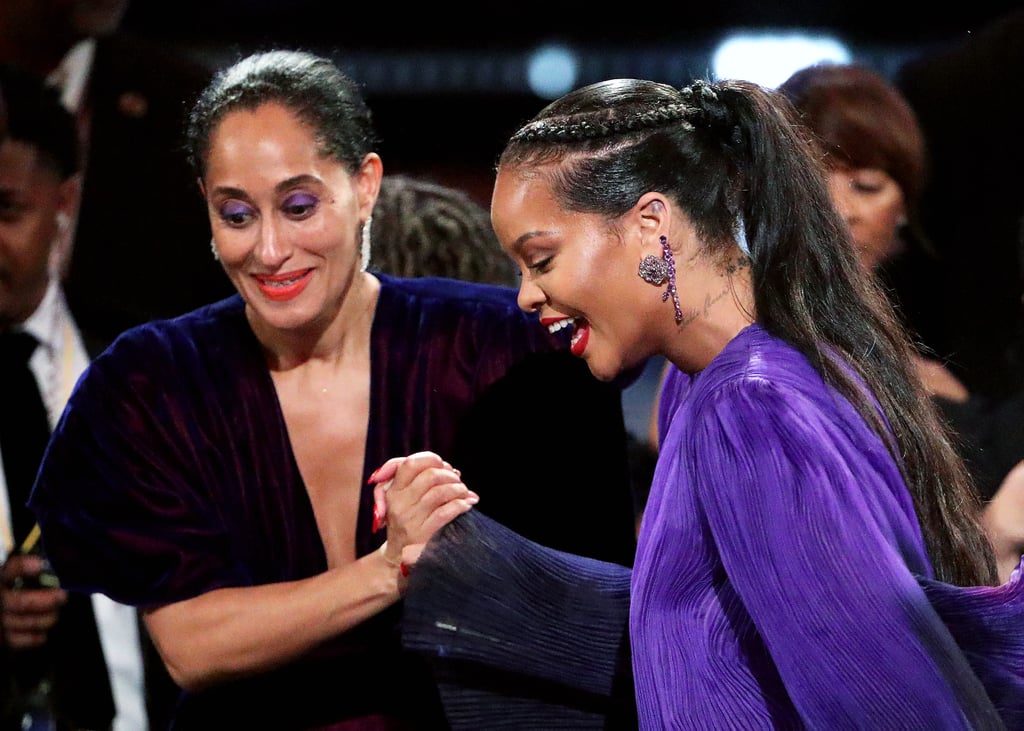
<point>92,653</point>
<point>141,245</point>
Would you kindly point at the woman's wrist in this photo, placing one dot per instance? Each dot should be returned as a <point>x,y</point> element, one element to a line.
<point>396,563</point>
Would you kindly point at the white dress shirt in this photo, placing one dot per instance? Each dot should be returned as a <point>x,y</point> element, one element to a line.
<point>58,361</point>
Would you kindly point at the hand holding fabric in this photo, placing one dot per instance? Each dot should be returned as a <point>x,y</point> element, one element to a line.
<point>415,496</point>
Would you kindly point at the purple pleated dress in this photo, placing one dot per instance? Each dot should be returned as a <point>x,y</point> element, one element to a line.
<point>781,579</point>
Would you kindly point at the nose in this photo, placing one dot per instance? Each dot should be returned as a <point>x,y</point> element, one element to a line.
<point>530,298</point>
<point>271,248</point>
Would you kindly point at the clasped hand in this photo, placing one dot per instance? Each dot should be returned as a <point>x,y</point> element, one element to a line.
<point>27,611</point>
<point>414,497</point>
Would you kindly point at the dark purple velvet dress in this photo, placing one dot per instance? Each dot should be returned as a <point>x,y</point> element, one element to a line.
<point>171,474</point>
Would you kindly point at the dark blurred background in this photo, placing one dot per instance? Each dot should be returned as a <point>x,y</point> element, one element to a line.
<point>448,86</point>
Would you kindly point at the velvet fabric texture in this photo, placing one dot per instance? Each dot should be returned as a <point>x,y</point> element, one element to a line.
<point>171,474</point>
<point>781,579</point>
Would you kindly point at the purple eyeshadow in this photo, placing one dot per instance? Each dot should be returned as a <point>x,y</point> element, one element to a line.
<point>234,208</point>
<point>301,200</point>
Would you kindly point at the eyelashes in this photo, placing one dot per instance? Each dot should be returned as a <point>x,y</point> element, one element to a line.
<point>235,213</point>
<point>541,266</point>
<point>300,205</point>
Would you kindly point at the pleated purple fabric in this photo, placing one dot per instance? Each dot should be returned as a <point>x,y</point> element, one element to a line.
<point>781,579</point>
<point>520,636</point>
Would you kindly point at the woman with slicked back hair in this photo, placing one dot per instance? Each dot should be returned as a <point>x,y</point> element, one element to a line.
<point>807,501</point>
<point>810,555</point>
<point>216,469</point>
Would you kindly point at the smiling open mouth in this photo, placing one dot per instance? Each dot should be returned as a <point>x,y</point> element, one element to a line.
<point>580,333</point>
<point>280,287</point>
<point>559,324</point>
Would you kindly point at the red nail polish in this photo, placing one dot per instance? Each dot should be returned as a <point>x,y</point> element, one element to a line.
<point>376,521</point>
<point>404,568</point>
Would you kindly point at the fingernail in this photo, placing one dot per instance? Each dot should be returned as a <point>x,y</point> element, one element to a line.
<point>472,498</point>
<point>404,568</point>
<point>376,520</point>
<point>373,477</point>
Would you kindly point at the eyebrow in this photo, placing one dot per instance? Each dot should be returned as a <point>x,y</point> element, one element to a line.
<point>291,182</point>
<point>281,187</point>
<point>517,245</point>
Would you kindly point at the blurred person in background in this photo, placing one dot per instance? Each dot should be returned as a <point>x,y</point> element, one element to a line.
<point>875,154</point>
<point>877,166</point>
<point>427,229</point>
<point>129,97</point>
<point>89,651</point>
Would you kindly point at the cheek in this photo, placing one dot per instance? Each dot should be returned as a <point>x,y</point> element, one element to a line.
<point>882,215</point>
<point>336,242</point>
<point>839,191</point>
<point>597,274</point>
<point>27,245</point>
<point>233,245</point>
<point>608,278</point>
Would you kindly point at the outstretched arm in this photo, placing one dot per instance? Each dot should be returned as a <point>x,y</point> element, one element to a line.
<point>232,632</point>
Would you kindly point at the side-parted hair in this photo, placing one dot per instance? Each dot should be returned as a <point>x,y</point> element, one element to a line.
<point>732,157</point>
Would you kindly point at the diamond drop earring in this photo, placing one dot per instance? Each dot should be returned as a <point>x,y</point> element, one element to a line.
<point>658,271</point>
<point>364,245</point>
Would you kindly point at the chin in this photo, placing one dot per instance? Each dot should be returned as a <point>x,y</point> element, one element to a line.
<point>603,372</point>
<point>627,376</point>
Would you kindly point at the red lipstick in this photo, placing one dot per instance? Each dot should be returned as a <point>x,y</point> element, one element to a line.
<point>284,286</point>
<point>580,338</point>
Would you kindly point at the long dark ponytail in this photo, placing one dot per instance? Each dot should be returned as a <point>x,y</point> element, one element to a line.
<point>732,157</point>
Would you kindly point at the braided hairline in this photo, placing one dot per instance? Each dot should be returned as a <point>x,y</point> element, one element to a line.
<point>567,130</point>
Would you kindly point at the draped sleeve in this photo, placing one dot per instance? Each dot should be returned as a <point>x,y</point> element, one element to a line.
<point>817,536</point>
<point>140,492</point>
